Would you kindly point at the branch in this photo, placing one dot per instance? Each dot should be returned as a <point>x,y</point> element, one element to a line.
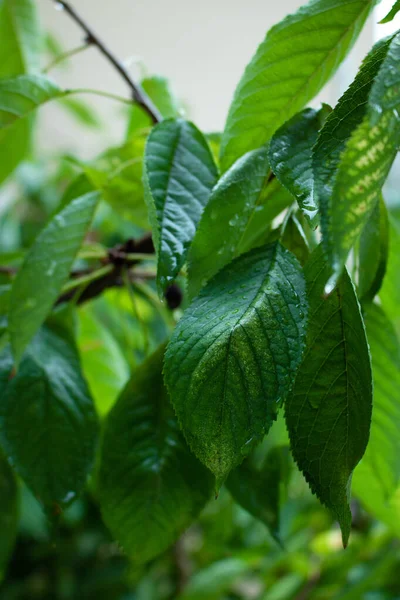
<point>138,95</point>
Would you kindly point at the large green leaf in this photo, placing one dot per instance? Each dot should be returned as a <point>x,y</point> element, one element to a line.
<point>258,490</point>
<point>373,253</point>
<point>392,13</point>
<point>46,268</point>
<point>328,411</point>
<point>48,423</point>
<point>290,154</point>
<point>8,512</point>
<point>233,354</point>
<point>22,95</point>
<point>19,54</point>
<point>355,151</point>
<point>150,485</point>
<point>381,457</point>
<point>180,173</point>
<point>232,204</point>
<point>390,290</point>
<point>296,59</point>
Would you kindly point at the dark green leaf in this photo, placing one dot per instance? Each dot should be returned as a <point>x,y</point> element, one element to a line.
<point>8,511</point>
<point>180,173</point>
<point>373,253</point>
<point>392,13</point>
<point>232,205</point>
<point>290,154</point>
<point>22,95</point>
<point>328,411</point>
<point>151,487</point>
<point>354,153</point>
<point>259,490</point>
<point>46,268</point>
<point>233,354</point>
<point>48,424</point>
<point>289,68</point>
<point>381,457</point>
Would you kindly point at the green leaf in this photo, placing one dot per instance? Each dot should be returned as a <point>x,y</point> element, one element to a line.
<point>233,203</point>
<point>289,68</point>
<point>81,111</point>
<point>381,457</point>
<point>392,13</point>
<point>103,362</point>
<point>8,512</point>
<point>159,91</point>
<point>373,253</point>
<point>389,293</point>
<point>355,151</point>
<point>290,155</point>
<point>48,424</point>
<point>215,579</point>
<point>19,54</point>
<point>328,411</point>
<point>118,174</point>
<point>180,173</point>
<point>233,354</point>
<point>46,268</point>
<point>22,95</point>
<point>150,486</point>
<point>259,490</point>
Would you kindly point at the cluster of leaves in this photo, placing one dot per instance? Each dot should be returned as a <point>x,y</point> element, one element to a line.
<point>256,225</point>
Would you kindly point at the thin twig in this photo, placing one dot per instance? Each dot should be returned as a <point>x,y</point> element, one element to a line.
<point>65,56</point>
<point>138,94</point>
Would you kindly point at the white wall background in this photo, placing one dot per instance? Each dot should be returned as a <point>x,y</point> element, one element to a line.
<point>201,46</point>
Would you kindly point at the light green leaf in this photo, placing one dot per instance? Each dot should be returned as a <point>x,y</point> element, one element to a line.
<point>150,486</point>
<point>289,68</point>
<point>389,293</point>
<point>48,424</point>
<point>215,579</point>
<point>159,91</point>
<point>46,268</point>
<point>19,54</point>
<point>81,111</point>
<point>355,151</point>
<point>233,354</point>
<point>259,490</point>
<point>381,457</point>
<point>373,253</point>
<point>22,95</point>
<point>8,512</point>
<point>233,203</point>
<point>103,362</point>
<point>180,174</point>
<point>392,13</point>
<point>290,155</point>
<point>328,411</point>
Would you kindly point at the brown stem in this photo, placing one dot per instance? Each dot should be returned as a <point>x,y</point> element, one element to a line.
<point>138,94</point>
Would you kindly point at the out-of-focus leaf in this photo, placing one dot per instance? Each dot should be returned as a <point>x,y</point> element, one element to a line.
<point>373,253</point>
<point>180,174</point>
<point>81,111</point>
<point>392,13</point>
<point>103,362</point>
<point>381,458</point>
<point>214,580</point>
<point>229,363</point>
<point>294,239</point>
<point>259,490</point>
<point>290,155</point>
<point>48,424</point>
<point>8,512</point>
<point>159,91</point>
<point>389,293</point>
<point>328,411</point>
<point>289,68</point>
<point>46,268</point>
<point>21,95</point>
<point>150,485</point>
